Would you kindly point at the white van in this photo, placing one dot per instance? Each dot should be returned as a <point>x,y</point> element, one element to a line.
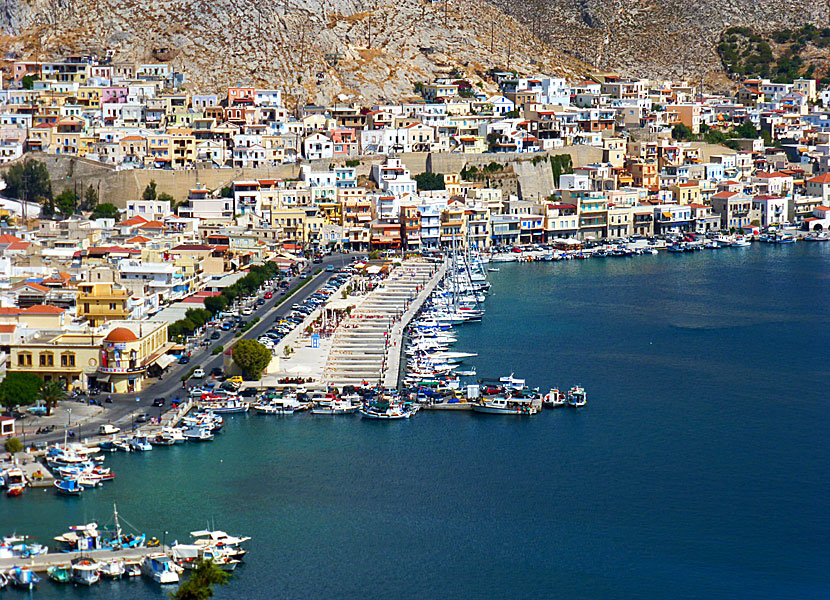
<point>108,429</point>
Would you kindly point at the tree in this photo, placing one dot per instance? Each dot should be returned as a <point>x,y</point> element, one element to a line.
<point>28,82</point>
<point>90,199</point>
<point>13,445</point>
<point>105,211</point>
<point>150,191</point>
<point>52,392</point>
<point>746,130</point>
<point>681,132</point>
<point>216,304</point>
<point>429,181</point>
<point>19,389</point>
<point>559,164</point>
<point>226,192</point>
<point>199,586</point>
<point>66,202</point>
<point>28,181</point>
<point>252,357</point>
<point>165,197</point>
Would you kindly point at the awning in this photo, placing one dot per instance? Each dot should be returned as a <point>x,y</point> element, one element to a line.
<point>164,361</point>
<point>102,379</point>
<point>667,215</point>
<point>373,270</point>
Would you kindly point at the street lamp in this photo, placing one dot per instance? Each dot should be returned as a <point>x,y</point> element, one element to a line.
<point>68,417</point>
<point>164,540</point>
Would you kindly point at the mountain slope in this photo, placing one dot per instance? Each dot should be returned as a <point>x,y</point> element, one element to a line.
<point>314,50</point>
<point>656,38</point>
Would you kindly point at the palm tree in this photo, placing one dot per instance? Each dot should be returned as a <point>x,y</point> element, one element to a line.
<point>51,392</point>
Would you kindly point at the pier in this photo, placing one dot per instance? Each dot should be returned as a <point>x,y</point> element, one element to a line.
<point>366,347</point>
<point>40,563</point>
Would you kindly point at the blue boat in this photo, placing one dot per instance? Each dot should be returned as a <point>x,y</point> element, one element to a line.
<point>23,578</point>
<point>69,487</point>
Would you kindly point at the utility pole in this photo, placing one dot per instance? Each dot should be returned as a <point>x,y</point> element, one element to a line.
<point>492,35</point>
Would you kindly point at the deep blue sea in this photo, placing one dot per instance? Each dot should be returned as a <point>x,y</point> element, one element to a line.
<point>698,469</point>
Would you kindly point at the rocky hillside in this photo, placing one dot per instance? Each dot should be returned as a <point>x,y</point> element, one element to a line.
<point>654,38</point>
<point>315,50</point>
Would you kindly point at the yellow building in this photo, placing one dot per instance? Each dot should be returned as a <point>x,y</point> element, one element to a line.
<point>102,302</point>
<point>117,362</point>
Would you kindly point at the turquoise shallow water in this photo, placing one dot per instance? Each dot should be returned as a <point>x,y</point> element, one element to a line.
<point>698,469</point>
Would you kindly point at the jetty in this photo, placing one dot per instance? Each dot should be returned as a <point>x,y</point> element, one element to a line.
<point>40,563</point>
<point>367,346</point>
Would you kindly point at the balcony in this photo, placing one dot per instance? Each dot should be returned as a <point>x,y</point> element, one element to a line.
<point>121,370</point>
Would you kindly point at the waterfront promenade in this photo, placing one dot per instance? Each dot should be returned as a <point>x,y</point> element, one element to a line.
<point>367,345</point>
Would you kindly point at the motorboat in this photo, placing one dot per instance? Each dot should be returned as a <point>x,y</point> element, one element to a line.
<point>132,568</point>
<point>511,382</point>
<point>226,407</point>
<point>69,487</point>
<point>139,443</point>
<point>198,433</point>
<point>335,406</point>
<point>160,568</point>
<point>85,571</point>
<point>554,398</point>
<point>113,569</point>
<point>18,546</point>
<point>59,573</point>
<point>23,578</point>
<point>14,481</point>
<point>576,396</point>
<point>505,405</point>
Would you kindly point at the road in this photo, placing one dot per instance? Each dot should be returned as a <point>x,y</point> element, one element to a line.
<point>125,407</point>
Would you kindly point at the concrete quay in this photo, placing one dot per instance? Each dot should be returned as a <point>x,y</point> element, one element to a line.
<point>367,346</point>
<point>40,563</point>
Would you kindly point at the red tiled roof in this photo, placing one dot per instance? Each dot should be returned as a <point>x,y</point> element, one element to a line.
<point>152,225</point>
<point>136,220</point>
<point>7,328</point>
<point>8,238</point>
<point>42,309</point>
<point>138,239</point>
<point>820,179</point>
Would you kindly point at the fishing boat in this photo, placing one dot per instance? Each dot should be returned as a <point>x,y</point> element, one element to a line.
<point>59,573</point>
<point>132,568</point>
<point>576,396</point>
<point>23,578</point>
<point>69,487</point>
<point>91,538</point>
<point>160,568</point>
<point>554,398</point>
<point>14,480</point>
<point>227,406</point>
<point>85,572</point>
<point>740,242</point>
<point>4,581</point>
<point>470,373</point>
<point>386,412</point>
<point>493,269</point>
<point>334,406</point>
<point>113,569</point>
<point>505,405</point>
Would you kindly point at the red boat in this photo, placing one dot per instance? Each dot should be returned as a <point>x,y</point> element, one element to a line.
<point>15,490</point>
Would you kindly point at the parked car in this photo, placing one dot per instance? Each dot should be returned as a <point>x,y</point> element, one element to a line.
<point>159,402</point>
<point>198,373</point>
<point>184,359</point>
<point>268,295</point>
<point>142,418</point>
<point>216,372</point>
<point>215,335</point>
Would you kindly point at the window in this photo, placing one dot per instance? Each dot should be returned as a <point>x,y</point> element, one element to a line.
<point>112,305</point>
<point>47,359</point>
<point>67,360</point>
<point>24,360</point>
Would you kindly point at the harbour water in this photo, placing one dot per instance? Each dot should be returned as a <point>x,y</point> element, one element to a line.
<point>698,469</point>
